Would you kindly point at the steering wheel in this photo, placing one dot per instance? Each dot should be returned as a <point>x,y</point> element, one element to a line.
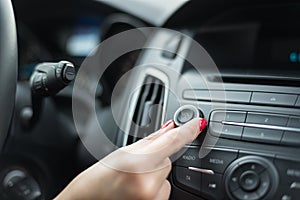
<point>8,67</point>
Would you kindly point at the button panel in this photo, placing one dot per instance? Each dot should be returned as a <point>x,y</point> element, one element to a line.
<point>255,127</point>
<point>289,175</point>
<point>244,177</point>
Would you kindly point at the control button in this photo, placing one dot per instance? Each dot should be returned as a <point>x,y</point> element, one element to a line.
<point>218,160</point>
<point>188,179</point>
<point>286,197</point>
<point>234,179</point>
<point>249,180</point>
<point>215,95</point>
<point>289,173</point>
<point>298,102</point>
<point>242,195</point>
<point>295,185</point>
<point>186,113</point>
<point>252,166</point>
<point>291,138</point>
<point>294,122</point>
<point>265,184</point>
<point>231,116</point>
<point>212,186</point>
<point>225,131</point>
<point>269,119</point>
<point>262,135</point>
<point>256,176</point>
<point>273,98</point>
<point>189,158</point>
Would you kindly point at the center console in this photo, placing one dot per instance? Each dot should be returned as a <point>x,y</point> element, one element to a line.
<point>250,149</point>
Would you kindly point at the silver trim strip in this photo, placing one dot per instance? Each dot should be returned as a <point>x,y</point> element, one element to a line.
<point>204,171</point>
<point>264,126</point>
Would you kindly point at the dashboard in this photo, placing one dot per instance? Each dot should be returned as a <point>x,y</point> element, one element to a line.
<point>251,146</point>
<point>237,64</point>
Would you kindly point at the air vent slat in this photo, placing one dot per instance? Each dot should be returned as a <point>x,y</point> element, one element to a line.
<point>148,111</point>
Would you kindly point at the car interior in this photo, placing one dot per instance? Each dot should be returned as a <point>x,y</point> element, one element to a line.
<point>234,63</point>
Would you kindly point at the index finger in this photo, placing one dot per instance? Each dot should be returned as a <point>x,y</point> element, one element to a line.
<point>173,140</point>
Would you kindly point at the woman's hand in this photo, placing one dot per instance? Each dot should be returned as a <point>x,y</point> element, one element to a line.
<point>137,171</point>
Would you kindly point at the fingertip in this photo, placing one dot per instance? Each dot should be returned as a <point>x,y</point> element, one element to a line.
<point>168,123</point>
<point>202,124</point>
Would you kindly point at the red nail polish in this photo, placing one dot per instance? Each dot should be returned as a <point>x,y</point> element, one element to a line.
<point>166,124</point>
<point>202,124</point>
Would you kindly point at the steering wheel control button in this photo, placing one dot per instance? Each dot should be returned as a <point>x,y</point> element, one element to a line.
<point>249,181</point>
<point>188,179</point>
<point>225,131</point>
<point>273,99</point>
<point>218,160</point>
<point>231,116</point>
<point>269,119</point>
<point>186,113</point>
<point>212,186</point>
<point>190,158</point>
<point>262,135</point>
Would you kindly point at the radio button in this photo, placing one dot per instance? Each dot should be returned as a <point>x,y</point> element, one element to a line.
<point>291,138</point>
<point>262,135</point>
<point>231,116</point>
<point>188,179</point>
<point>298,102</point>
<point>269,119</point>
<point>190,158</point>
<point>212,186</point>
<point>273,98</point>
<point>225,131</point>
<point>218,160</point>
<point>294,122</point>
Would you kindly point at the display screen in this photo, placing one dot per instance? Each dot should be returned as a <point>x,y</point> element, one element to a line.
<point>251,48</point>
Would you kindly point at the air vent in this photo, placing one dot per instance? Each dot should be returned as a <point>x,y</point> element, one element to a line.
<point>148,111</point>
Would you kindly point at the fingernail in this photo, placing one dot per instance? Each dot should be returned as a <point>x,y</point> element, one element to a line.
<point>166,124</point>
<point>202,124</point>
